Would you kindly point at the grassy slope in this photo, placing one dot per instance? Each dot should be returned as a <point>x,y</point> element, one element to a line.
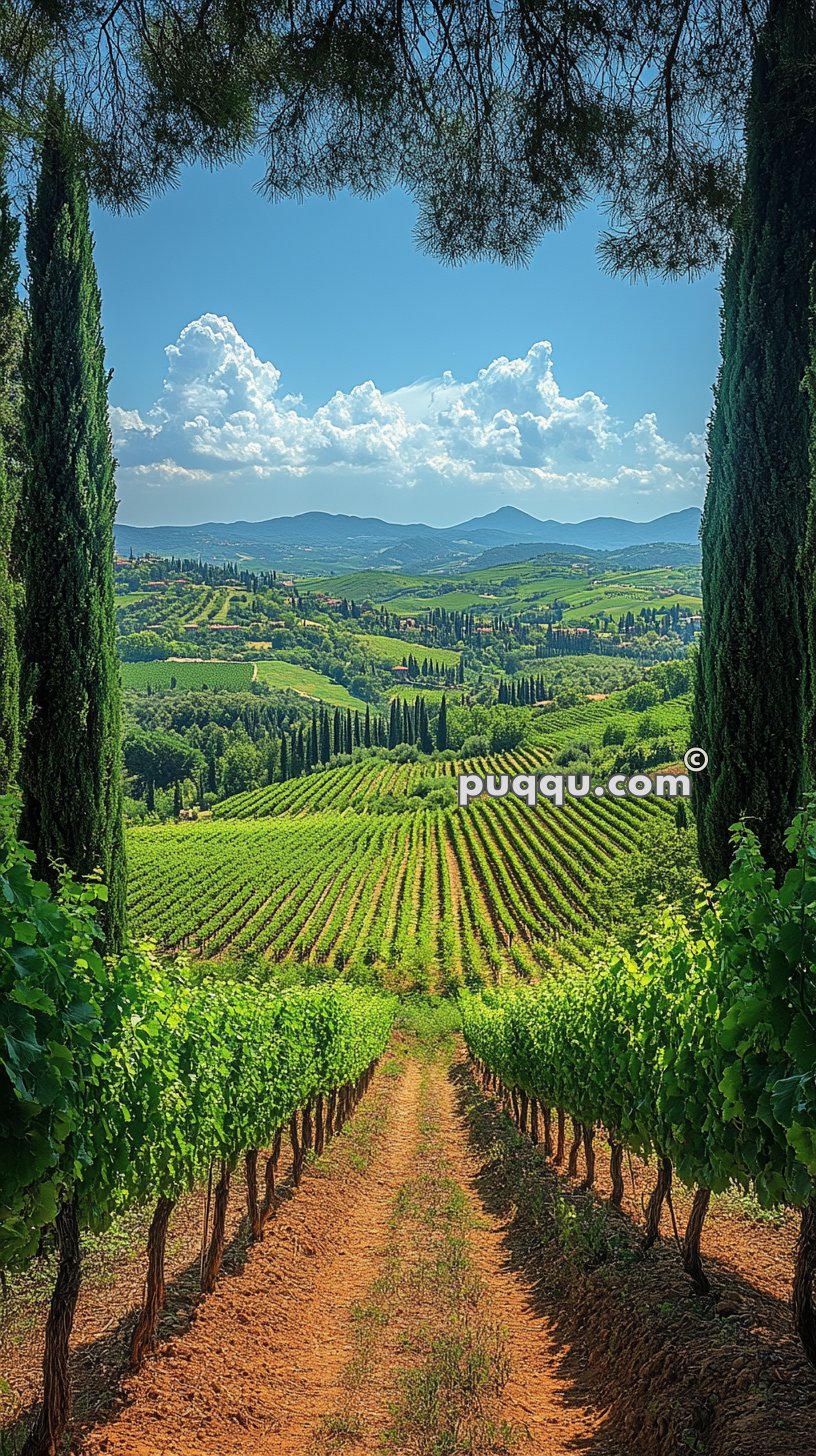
<point>393,649</point>
<point>279,674</point>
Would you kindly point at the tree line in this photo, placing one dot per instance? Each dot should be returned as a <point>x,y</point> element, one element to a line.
<point>523,692</point>
<point>326,737</point>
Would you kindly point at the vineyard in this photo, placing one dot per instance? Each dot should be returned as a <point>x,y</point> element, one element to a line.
<point>156,677</point>
<point>699,1054</point>
<point>407,994</point>
<point>310,871</point>
<point>131,1081</point>
<point>555,730</point>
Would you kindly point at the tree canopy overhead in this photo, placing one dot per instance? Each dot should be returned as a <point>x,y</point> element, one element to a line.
<point>500,117</point>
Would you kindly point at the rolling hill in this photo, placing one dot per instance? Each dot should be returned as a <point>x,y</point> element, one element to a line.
<point>317,541</point>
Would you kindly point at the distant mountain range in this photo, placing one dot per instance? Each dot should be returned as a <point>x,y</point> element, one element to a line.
<point>549,555</point>
<point>317,542</point>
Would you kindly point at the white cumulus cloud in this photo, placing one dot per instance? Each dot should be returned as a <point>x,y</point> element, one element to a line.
<point>223,440</point>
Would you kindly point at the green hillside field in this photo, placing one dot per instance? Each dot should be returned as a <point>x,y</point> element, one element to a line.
<point>277,673</point>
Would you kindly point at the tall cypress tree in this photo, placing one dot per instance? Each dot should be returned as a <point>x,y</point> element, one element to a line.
<point>751,671</point>
<point>809,555</point>
<point>9,479</point>
<point>442,725</point>
<point>313,751</point>
<point>9,662</point>
<point>425,742</point>
<point>70,768</point>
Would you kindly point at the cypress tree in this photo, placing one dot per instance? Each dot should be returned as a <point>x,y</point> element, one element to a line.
<point>751,672</point>
<point>442,726</point>
<point>348,740</point>
<point>367,728</point>
<point>425,742</point>
<point>313,750</point>
<point>70,767</point>
<point>9,661</point>
<point>809,556</point>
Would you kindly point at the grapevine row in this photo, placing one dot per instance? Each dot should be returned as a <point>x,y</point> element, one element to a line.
<point>699,1053</point>
<point>122,1081</point>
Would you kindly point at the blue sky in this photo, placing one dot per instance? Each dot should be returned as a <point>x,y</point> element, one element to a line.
<point>296,329</point>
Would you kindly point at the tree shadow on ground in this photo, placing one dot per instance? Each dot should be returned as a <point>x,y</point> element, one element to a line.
<point>669,1370</point>
<point>99,1365</point>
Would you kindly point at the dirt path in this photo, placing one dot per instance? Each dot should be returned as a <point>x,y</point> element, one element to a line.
<point>554,1415</point>
<point>449,1353</point>
<point>306,1348</point>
